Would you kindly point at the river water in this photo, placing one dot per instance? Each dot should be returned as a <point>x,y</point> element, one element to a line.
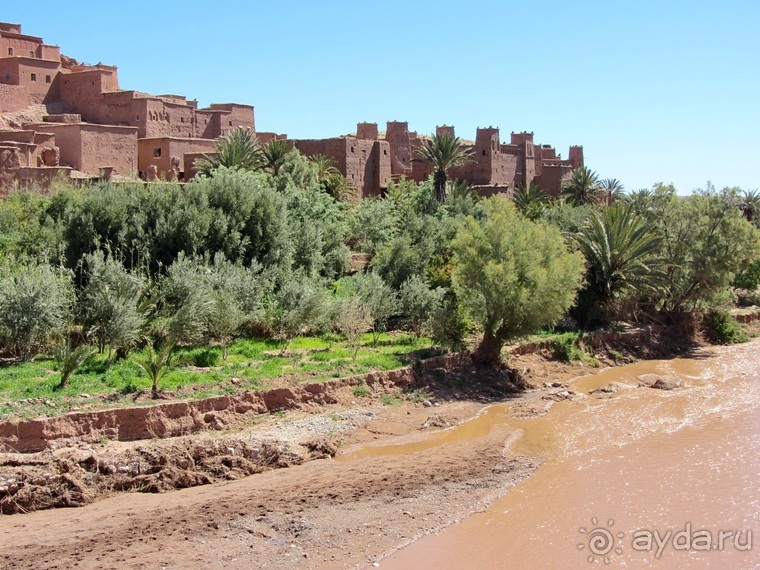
<point>643,479</point>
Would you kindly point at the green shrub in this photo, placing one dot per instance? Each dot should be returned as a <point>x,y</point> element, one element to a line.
<point>723,328</point>
<point>34,306</point>
<point>567,347</point>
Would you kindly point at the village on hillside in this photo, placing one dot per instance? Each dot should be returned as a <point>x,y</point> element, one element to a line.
<point>62,118</point>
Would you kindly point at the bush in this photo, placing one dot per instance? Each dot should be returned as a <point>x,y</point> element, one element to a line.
<point>419,302</point>
<point>35,303</point>
<point>111,303</point>
<point>567,347</point>
<point>721,327</point>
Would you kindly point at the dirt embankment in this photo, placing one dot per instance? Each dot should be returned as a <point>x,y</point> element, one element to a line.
<point>172,419</point>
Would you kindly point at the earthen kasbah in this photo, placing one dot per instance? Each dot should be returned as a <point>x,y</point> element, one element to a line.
<point>59,117</point>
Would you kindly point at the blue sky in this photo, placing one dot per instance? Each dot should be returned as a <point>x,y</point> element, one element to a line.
<point>664,90</point>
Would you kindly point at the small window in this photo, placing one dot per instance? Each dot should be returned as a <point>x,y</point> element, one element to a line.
<point>31,54</point>
<point>10,51</point>
<point>137,118</point>
<point>352,149</point>
<point>230,123</point>
<point>8,77</point>
<point>182,119</point>
<point>156,153</point>
<point>48,79</point>
<point>34,77</point>
<point>484,152</point>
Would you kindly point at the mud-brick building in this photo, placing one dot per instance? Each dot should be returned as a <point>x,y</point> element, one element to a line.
<point>370,161</point>
<point>89,126</point>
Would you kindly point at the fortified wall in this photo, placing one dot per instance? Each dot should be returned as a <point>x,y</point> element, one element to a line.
<point>370,162</point>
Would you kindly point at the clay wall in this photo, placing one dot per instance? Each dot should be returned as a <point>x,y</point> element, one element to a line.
<point>367,131</point>
<point>51,53</point>
<point>189,163</point>
<point>82,91</point>
<point>88,148</point>
<point>63,118</point>
<point>109,146</point>
<point>13,97</point>
<point>398,137</point>
<point>18,45</point>
<point>41,177</point>
<point>576,156</point>
<point>7,27</point>
<point>10,162</point>
<point>234,116</point>
<point>553,176</point>
<point>264,138</point>
<point>37,75</point>
<point>365,163</point>
<point>159,152</point>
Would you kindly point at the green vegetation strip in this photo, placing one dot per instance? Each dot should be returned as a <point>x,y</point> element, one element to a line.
<point>30,389</point>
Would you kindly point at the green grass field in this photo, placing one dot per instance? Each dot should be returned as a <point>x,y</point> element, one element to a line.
<point>255,364</point>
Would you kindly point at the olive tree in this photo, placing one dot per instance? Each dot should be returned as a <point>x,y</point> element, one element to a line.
<point>513,275</point>
<point>34,304</point>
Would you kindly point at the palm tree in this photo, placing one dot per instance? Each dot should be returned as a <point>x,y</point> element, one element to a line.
<point>325,166</point>
<point>750,206</point>
<point>330,178</point>
<point>156,363</point>
<point>531,201</point>
<point>461,190</point>
<point>274,153</point>
<point>442,152</point>
<point>620,251</point>
<point>68,359</point>
<point>583,187</point>
<point>613,188</point>
<point>238,149</point>
<point>640,200</point>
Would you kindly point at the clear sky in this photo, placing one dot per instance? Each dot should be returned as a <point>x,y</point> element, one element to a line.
<point>665,90</point>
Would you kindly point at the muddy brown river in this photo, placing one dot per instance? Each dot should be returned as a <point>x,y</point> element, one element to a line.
<point>644,478</point>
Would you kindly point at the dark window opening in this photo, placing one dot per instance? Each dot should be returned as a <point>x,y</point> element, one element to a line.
<point>47,79</point>
<point>8,77</point>
<point>10,51</point>
<point>484,152</point>
<point>230,123</point>
<point>138,117</point>
<point>34,77</point>
<point>352,149</point>
<point>156,153</point>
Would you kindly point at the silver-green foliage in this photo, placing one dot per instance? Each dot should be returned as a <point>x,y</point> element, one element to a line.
<point>35,301</point>
<point>112,303</point>
<point>419,302</point>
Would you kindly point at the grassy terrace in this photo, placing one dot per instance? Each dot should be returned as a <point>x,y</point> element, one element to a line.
<point>29,389</point>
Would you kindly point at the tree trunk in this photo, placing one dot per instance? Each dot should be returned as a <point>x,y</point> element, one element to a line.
<point>488,352</point>
<point>439,184</point>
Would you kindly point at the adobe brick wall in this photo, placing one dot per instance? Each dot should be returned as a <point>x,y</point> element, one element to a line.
<point>367,131</point>
<point>397,135</point>
<point>366,164</point>
<point>88,147</point>
<point>553,176</point>
<point>166,148</point>
<point>14,98</point>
